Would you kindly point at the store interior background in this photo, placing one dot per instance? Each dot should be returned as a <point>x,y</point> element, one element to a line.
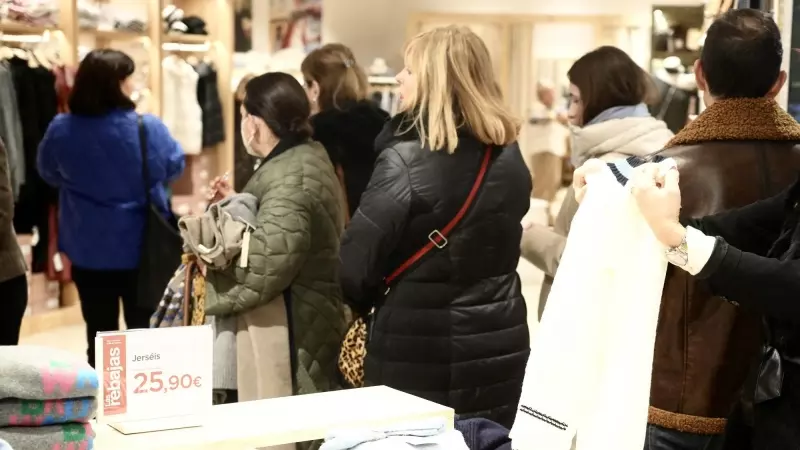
<point>529,39</point>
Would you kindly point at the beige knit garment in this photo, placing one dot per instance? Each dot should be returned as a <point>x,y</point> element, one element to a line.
<point>263,363</point>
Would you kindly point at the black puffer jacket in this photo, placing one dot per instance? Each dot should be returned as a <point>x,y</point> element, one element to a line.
<point>453,328</point>
<point>348,134</point>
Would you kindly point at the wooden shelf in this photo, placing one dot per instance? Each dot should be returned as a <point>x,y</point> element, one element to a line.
<point>178,38</point>
<point>114,35</point>
<point>21,28</point>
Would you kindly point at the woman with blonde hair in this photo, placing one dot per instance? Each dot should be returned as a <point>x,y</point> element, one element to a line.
<point>434,245</point>
<point>345,122</point>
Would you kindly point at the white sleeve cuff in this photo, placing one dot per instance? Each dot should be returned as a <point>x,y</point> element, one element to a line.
<point>699,247</point>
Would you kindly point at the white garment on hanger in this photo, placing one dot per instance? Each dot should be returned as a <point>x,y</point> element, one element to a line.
<point>591,362</point>
<point>181,111</point>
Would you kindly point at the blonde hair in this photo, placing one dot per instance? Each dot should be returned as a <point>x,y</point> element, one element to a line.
<point>455,87</point>
<point>340,78</point>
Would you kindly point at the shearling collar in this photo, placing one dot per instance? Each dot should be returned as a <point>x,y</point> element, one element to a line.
<point>739,119</point>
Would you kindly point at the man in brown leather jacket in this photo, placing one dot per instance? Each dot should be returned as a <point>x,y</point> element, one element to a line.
<point>741,149</point>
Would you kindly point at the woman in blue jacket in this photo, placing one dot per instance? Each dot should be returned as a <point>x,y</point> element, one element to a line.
<point>92,155</point>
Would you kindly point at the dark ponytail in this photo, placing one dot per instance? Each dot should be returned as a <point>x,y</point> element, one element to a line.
<point>281,102</point>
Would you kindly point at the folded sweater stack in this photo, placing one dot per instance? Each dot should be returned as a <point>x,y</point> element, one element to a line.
<point>47,398</point>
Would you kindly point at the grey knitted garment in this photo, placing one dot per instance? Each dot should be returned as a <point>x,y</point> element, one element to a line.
<point>25,413</point>
<point>70,435</point>
<point>224,352</point>
<point>216,235</point>
<point>39,373</point>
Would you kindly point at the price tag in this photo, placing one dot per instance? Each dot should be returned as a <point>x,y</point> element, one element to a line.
<point>151,375</point>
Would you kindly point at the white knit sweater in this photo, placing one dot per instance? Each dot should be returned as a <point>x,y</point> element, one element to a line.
<point>591,362</point>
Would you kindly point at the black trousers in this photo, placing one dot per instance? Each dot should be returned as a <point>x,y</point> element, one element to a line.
<point>665,439</point>
<point>14,293</point>
<point>100,292</point>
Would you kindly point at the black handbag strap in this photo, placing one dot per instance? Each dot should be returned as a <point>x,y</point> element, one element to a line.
<point>145,165</point>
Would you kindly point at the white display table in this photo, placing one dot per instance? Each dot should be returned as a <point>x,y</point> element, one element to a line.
<point>264,423</point>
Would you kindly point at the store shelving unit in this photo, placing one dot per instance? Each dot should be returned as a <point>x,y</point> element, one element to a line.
<point>216,46</point>
<point>219,16</point>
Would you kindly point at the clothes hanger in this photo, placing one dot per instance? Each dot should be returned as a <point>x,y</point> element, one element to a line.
<point>41,58</point>
<point>20,53</point>
<point>55,58</point>
<point>33,63</point>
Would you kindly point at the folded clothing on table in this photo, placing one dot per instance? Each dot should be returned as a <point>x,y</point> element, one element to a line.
<point>483,434</point>
<point>29,413</point>
<point>431,434</point>
<point>70,436</point>
<point>39,373</point>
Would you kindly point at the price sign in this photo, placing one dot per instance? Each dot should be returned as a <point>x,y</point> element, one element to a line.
<point>154,374</point>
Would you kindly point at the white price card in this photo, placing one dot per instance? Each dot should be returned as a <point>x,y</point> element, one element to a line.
<point>154,379</point>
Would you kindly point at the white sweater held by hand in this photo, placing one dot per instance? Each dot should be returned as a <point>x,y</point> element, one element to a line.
<point>591,362</point>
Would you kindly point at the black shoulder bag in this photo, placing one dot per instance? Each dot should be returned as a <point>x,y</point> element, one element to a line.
<point>162,245</point>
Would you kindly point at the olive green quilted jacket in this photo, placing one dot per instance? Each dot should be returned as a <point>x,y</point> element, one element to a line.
<point>295,246</point>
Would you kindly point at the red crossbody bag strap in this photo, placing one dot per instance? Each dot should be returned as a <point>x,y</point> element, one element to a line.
<point>438,238</point>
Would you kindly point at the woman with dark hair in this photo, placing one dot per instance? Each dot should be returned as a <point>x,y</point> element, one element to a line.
<point>608,120</point>
<point>344,120</point>
<point>93,155</point>
<point>289,276</point>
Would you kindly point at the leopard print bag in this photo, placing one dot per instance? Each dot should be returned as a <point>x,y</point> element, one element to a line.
<point>353,352</point>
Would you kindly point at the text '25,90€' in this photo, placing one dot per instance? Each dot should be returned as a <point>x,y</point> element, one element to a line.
<point>156,381</point>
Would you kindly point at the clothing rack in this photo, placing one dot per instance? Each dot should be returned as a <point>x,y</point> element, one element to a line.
<point>185,48</point>
<point>187,43</point>
<point>22,38</point>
